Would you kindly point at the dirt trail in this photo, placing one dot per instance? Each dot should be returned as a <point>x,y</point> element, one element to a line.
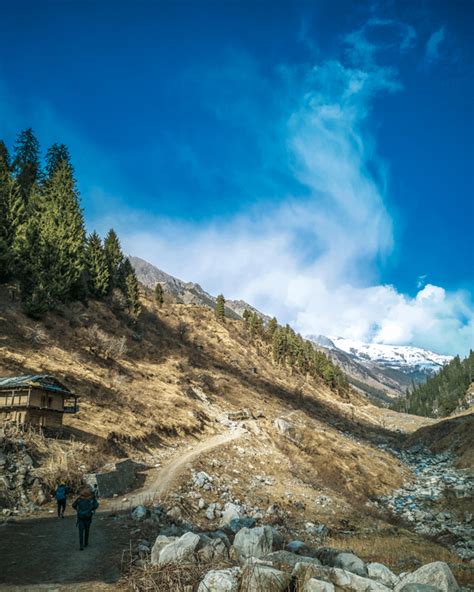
<point>42,553</point>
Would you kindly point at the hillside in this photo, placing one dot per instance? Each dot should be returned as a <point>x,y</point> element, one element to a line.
<point>443,394</point>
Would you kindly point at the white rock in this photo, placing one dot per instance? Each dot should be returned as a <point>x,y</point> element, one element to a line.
<point>381,573</point>
<point>231,511</point>
<point>435,574</point>
<point>258,577</point>
<point>314,585</point>
<point>224,580</point>
<point>160,542</point>
<point>253,542</point>
<point>179,550</point>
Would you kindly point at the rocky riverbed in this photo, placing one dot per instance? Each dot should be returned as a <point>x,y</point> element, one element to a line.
<point>438,502</point>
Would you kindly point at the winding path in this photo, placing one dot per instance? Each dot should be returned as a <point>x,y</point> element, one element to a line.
<point>41,553</point>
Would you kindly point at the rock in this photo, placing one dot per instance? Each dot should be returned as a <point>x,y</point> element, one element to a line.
<point>435,574</point>
<point>160,542</point>
<point>175,513</point>
<point>298,547</point>
<point>213,511</point>
<point>201,479</point>
<point>352,563</point>
<point>238,523</point>
<point>286,561</point>
<point>179,550</point>
<point>278,540</point>
<point>314,585</point>
<point>139,513</point>
<point>224,580</point>
<point>258,577</point>
<point>381,573</point>
<point>342,579</point>
<point>231,512</point>
<point>201,503</point>
<point>214,550</point>
<point>285,427</point>
<point>316,530</point>
<point>419,588</point>
<point>253,542</point>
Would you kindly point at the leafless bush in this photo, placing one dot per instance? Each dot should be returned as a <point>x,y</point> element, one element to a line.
<point>118,300</point>
<point>105,345</point>
<point>182,330</point>
<point>37,334</point>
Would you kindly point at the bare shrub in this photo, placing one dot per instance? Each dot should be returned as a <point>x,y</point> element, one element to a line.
<point>36,334</point>
<point>118,300</point>
<point>182,331</point>
<point>102,344</point>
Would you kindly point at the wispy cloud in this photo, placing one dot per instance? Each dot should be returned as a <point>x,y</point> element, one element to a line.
<point>432,53</point>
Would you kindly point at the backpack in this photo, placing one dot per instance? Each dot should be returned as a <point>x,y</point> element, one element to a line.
<point>85,508</point>
<point>61,492</point>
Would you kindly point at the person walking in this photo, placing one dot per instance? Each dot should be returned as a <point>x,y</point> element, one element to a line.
<point>85,505</point>
<point>61,496</point>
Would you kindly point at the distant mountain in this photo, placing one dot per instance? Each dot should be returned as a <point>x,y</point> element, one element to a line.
<point>381,371</point>
<point>187,292</point>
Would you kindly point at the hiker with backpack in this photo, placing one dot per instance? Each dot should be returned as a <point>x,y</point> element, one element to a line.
<point>85,506</point>
<point>61,496</point>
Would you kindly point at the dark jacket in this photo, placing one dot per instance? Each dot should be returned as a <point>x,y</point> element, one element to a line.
<point>85,507</point>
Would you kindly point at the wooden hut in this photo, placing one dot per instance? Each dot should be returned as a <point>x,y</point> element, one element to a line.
<point>39,400</point>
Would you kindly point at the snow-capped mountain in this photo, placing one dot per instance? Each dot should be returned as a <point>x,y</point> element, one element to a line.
<point>381,371</point>
<point>393,356</point>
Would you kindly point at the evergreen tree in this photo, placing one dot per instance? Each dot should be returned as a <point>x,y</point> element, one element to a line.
<point>5,164</point>
<point>97,268</point>
<point>26,163</point>
<point>159,295</point>
<point>115,260</point>
<point>63,232</point>
<point>133,295</point>
<point>125,270</point>
<point>55,155</point>
<point>220,308</point>
<point>271,328</point>
<point>13,218</point>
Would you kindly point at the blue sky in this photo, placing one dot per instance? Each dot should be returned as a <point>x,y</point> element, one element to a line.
<point>313,158</point>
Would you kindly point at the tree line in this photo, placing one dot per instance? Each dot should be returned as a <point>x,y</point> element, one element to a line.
<point>289,348</point>
<point>44,247</point>
<point>442,393</point>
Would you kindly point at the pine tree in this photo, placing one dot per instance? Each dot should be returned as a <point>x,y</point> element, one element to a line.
<point>63,232</point>
<point>220,308</point>
<point>97,268</point>
<point>159,295</point>
<point>133,295</point>
<point>26,163</point>
<point>125,270</point>
<point>13,218</point>
<point>115,260</point>
<point>55,155</point>
<point>271,328</point>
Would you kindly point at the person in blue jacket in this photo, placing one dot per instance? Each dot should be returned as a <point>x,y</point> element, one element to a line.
<point>61,496</point>
<point>85,505</point>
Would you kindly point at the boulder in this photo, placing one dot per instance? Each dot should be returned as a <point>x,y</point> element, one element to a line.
<point>223,580</point>
<point>381,573</point>
<point>350,562</point>
<point>139,513</point>
<point>342,579</point>
<point>253,542</point>
<point>213,511</point>
<point>160,542</point>
<point>314,585</point>
<point>231,512</point>
<point>179,550</point>
<point>259,577</point>
<point>174,514</point>
<point>435,574</point>
<point>286,561</point>
<point>214,550</point>
<point>419,588</point>
<point>298,547</point>
<point>238,523</point>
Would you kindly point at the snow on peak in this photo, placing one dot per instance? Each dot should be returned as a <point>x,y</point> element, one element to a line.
<point>397,356</point>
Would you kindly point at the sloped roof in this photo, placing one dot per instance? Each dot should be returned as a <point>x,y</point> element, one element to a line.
<point>43,381</point>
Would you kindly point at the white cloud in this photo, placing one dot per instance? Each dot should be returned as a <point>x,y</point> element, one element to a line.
<point>433,44</point>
